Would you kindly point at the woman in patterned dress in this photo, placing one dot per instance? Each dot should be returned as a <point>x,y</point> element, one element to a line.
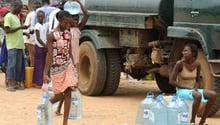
<point>60,64</point>
<point>75,30</point>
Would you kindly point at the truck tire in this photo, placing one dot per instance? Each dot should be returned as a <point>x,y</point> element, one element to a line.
<point>217,102</point>
<point>208,83</point>
<point>113,71</point>
<point>92,69</point>
<point>163,84</point>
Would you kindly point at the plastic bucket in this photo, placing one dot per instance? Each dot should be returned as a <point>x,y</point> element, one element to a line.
<point>29,76</point>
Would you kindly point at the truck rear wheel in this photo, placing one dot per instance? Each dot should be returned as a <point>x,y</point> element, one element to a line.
<point>208,83</point>
<point>113,71</point>
<point>163,84</point>
<point>217,102</point>
<point>92,69</point>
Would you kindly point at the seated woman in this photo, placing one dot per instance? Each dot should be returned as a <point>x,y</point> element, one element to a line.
<point>186,77</point>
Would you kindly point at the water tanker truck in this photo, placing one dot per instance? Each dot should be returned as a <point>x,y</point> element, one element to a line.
<point>140,37</point>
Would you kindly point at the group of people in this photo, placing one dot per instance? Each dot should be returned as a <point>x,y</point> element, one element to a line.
<point>56,31</point>
<point>12,52</point>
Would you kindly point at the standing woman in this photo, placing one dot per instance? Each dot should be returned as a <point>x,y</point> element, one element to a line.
<point>30,43</point>
<point>186,77</point>
<point>40,30</point>
<point>4,52</point>
<point>76,26</point>
<point>60,64</point>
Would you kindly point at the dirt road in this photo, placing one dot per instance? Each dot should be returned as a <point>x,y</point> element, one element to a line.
<point>19,108</point>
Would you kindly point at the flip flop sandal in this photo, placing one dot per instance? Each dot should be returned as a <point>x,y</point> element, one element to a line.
<point>11,89</point>
<point>58,113</point>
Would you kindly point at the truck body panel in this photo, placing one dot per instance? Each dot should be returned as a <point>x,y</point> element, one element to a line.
<point>203,15</point>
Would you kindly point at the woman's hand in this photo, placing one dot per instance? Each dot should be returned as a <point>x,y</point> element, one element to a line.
<point>44,87</point>
<point>196,86</point>
<point>46,79</point>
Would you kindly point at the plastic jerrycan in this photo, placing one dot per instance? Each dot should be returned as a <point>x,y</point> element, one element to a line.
<point>159,112</point>
<point>183,112</point>
<point>76,105</point>
<point>144,113</point>
<point>172,112</point>
<point>44,111</point>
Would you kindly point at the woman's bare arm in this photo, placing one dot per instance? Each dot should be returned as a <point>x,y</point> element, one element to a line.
<point>49,57</point>
<point>85,15</point>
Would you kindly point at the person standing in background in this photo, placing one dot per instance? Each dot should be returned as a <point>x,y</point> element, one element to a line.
<point>40,49</point>
<point>24,12</point>
<point>47,9</point>
<point>29,43</point>
<point>15,45</point>
<point>4,53</point>
<point>53,22</point>
<point>75,29</point>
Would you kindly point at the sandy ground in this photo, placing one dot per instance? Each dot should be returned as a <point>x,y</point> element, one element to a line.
<point>19,108</point>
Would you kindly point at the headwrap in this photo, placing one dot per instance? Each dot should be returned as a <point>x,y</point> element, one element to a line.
<point>3,10</point>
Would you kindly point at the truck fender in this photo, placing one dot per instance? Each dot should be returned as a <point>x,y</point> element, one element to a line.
<point>100,38</point>
<point>189,33</point>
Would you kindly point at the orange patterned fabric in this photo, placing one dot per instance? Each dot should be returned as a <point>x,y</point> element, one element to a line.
<point>64,80</point>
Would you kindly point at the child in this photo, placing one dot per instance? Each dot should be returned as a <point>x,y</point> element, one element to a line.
<point>40,49</point>
<point>75,34</point>
<point>60,65</point>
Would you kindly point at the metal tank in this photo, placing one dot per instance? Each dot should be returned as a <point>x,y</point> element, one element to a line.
<point>126,13</point>
<point>135,6</point>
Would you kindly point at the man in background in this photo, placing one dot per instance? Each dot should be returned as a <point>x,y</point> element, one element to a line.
<point>14,44</point>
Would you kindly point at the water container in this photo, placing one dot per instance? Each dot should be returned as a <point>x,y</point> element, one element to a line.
<point>50,90</point>
<point>76,105</point>
<point>44,111</point>
<point>51,93</point>
<point>144,113</point>
<point>29,76</point>
<point>183,112</point>
<point>172,112</point>
<point>159,112</point>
